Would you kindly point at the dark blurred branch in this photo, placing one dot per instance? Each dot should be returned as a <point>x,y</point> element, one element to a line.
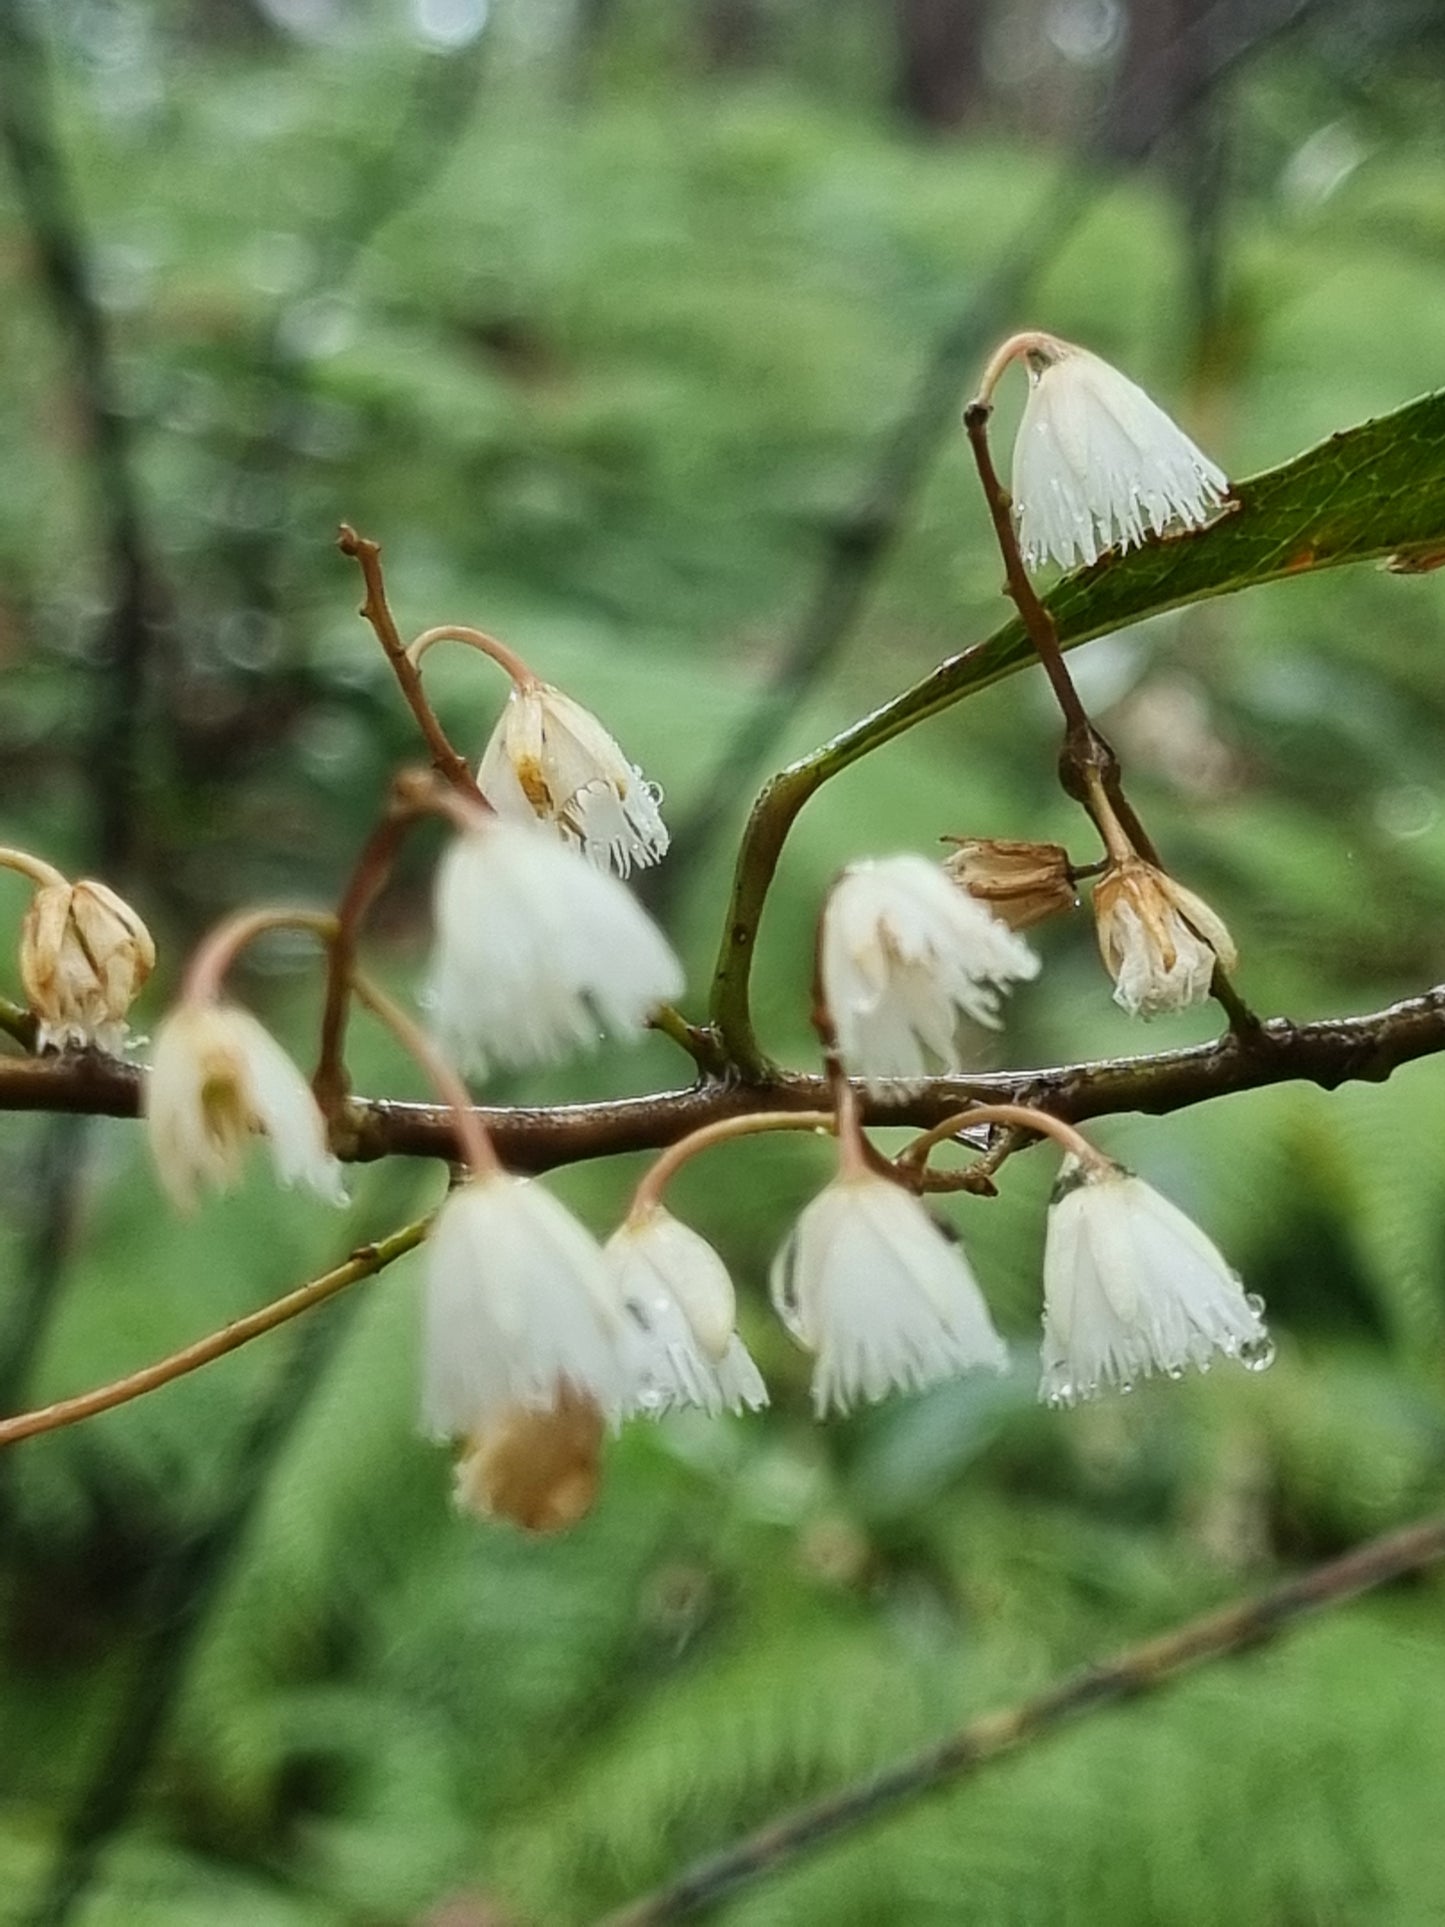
<point>132,593</point>
<point>1331,1052</point>
<point>1139,1669</point>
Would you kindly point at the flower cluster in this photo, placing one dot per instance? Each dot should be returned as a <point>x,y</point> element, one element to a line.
<point>537,1338</point>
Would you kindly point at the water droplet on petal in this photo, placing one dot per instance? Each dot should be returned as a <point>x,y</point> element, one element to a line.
<point>1259,1354</point>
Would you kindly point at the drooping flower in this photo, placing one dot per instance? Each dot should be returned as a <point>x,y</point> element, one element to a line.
<point>681,1345</point>
<point>84,955</point>
<point>538,1470</point>
<point>219,1078</point>
<point>869,1283</point>
<point>1098,464</point>
<point>537,951</point>
<point>520,1309</point>
<point>1133,1287</point>
<point>1159,941</point>
<point>1020,883</point>
<point>903,953</point>
<point>550,760</point>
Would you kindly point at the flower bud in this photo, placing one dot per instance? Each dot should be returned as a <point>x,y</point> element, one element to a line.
<point>539,1469</point>
<point>84,955</point>
<point>1159,941</point>
<point>1021,883</point>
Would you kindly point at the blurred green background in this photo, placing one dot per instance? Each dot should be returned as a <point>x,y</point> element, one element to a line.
<point>637,332</point>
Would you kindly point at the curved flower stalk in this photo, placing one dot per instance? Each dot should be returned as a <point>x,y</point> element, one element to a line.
<point>869,1283</point>
<point>1133,1287</point>
<point>519,1309</point>
<point>1159,942</point>
<point>536,951</point>
<point>1097,464</point>
<point>903,953</point>
<point>84,957</point>
<point>681,1344</point>
<point>551,761</point>
<point>218,1079</point>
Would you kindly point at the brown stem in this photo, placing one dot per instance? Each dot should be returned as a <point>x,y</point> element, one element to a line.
<point>448,764</point>
<point>1327,1053</point>
<point>505,658</point>
<point>472,1135</point>
<point>217,951</point>
<point>1138,1669</point>
<point>44,875</point>
<point>364,1263</point>
<point>1024,1117</point>
<point>648,1194</point>
<point>1032,613</point>
<point>329,1082</point>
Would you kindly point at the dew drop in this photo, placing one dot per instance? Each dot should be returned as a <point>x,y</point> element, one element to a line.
<point>1255,1303</point>
<point>1259,1354</point>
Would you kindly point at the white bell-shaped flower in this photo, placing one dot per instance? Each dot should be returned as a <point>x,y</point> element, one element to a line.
<point>886,1300</point>
<point>682,1347</point>
<point>904,953</point>
<point>1097,464</point>
<point>549,759</point>
<point>1159,941</point>
<point>537,951</point>
<point>520,1310</point>
<point>218,1078</point>
<point>1133,1287</point>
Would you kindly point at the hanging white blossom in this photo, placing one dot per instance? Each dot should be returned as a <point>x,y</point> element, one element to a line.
<point>869,1283</point>
<point>550,760</point>
<point>1097,464</point>
<point>537,951</point>
<point>1133,1287</point>
<point>904,953</point>
<point>519,1310</point>
<point>218,1078</point>
<point>681,1343</point>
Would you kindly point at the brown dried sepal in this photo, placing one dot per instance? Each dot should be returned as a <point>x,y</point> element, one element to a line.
<point>540,1470</point>
<point>1021,883</point>
<point>84,955</point>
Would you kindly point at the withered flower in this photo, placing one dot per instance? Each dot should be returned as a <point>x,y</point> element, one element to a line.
<point>1159,941</point>
<point>1021,883</point>
<point>84,955</point>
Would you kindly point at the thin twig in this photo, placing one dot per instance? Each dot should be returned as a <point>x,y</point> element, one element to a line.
<point>1032,613</point>
<point>1330,1052</point>
<point>1139,1669</point>
<point>364,1263</point>
<point>452,767</point>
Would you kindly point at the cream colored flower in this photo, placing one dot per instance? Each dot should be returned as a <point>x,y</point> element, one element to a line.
<point>869,1283</point>
<point>1159,941</point>
<point>1020,883</point>
<point>519,1309</point>
<point>218,1078</point>
<point>1133,1287</point>
<point>905,952</point>
<point>537,951</point>
<point>1097,464</point>
<point>84,955</point>
<point>681,1346</point>
<point>550,759</point>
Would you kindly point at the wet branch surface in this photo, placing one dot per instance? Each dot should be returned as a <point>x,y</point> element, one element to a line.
<point>1327,1053</point>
